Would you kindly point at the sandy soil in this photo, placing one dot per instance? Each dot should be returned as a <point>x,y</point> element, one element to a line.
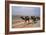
<point>23,24</point>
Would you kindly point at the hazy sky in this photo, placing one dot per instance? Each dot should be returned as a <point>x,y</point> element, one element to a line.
<point>25,11</point>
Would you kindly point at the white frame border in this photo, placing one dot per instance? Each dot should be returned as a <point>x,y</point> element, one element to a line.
<point>24,29</point>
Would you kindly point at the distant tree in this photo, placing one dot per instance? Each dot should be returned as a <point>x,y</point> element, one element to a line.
<point>33,18</point>
<point>38,18</point>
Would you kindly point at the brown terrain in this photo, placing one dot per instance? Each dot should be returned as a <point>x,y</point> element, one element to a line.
<point>17,22</point>
<point>23,24</point>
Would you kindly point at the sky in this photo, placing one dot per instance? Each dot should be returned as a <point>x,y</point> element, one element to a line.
<point>25,11</point>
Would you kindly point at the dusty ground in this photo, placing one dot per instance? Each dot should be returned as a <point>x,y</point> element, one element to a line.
<point>23,24</point>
